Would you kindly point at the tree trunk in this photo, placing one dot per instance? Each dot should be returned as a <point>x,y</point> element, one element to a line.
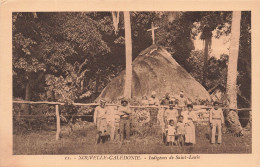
<point>115,17</point>
<point>128,53</point>
<point>28,92</point>
<point>97,84</point>
<point>232,62</point>
<point>205,66</point>
<point>234,125</point>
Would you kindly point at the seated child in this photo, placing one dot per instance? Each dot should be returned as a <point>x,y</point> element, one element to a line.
<point>170,131</point>
<point>180,134</point>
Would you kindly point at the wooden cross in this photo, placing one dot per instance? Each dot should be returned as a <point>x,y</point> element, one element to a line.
<point>152,29</point>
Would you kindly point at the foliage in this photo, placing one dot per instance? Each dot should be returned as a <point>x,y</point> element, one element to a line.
<point>69,88</point>
<point>48,48</point>
<point>217,68</point>
<point>63,40</point>
<point>220,22</point>
<point>42,117</point>
<point>176,36</point>
<point>244,57</point>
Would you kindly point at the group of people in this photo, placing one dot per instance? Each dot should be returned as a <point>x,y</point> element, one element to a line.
<point>180,127</point>
<point>177,119</point>
<point>112,123</point>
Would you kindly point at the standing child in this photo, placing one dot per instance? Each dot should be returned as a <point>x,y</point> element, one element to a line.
<point>180,134</point>
<point>171,131</point>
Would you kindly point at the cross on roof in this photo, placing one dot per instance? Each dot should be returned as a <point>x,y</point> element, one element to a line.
<point>152,29</point>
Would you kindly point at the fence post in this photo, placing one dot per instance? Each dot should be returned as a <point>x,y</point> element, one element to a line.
<point>57,121</point>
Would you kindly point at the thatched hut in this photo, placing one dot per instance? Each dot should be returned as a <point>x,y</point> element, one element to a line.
<point>154,69</point>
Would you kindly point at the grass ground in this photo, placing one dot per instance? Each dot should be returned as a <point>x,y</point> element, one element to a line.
<point>82,141</point>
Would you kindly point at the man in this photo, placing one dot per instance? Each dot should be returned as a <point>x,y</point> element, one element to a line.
<point>170,113</point>
<point>154,101</point>
<point>182,101</point>
<point>216,119</point>
<point>124,124</point>
<point>100,120</point>
<point>145,101</point>
<point>166,99</point>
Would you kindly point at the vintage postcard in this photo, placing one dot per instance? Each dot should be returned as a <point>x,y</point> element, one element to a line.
<point>135,83</point>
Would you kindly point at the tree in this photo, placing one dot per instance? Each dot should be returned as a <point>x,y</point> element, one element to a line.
<point>26,66</point>
<point>51,43</point>
<point>209,22</point>
<point>216,70</point>
<point>244,58</point>
<point>175,33</point>
<point>128,54</point>
<point>233,59</point>
<point>206,36</point>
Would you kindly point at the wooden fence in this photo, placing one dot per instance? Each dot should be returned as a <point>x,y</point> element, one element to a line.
<point>57,113</point>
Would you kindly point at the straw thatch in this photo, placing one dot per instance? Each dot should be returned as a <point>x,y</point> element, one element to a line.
<point>154,69</point>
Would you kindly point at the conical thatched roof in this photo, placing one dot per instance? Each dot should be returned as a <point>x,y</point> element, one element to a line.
<point>154,69</point>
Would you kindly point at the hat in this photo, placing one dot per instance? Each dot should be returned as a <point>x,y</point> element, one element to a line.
<point>102,101</point>
<point>215,103</point>
<point>153,93</point>
<point>124,100</point>
<point>189,105</point>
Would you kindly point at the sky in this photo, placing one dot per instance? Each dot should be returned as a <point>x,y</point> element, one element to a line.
<point>218,47</point>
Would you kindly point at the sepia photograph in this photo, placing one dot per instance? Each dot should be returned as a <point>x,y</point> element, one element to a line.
<point>131,82</point>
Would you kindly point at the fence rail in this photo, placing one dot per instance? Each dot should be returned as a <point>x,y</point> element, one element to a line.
<point>134,106</point>
<point>57,113</point>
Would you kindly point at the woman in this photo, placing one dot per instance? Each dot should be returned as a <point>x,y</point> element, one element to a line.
<point>100,120</point>
<point>189,118</point>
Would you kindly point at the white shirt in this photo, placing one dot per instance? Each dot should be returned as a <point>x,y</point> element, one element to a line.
<point>182,101</point>
<point>171,114</point>
<point>216,114</point>
<point>171,130</point>
<point>124,111</point>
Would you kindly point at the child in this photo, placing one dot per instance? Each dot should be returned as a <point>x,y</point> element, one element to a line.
<point>180,134</point>
<point>170,131</point>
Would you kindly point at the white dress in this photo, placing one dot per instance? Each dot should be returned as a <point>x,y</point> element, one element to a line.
<point>190,135</point>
